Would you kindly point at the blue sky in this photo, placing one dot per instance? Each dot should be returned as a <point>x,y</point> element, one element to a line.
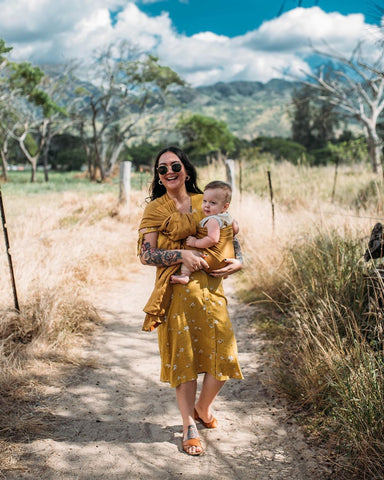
<point>205,41</point>
<point>236,17</point>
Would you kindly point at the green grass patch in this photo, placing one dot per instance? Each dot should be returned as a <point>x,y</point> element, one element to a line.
<point>19,183</point>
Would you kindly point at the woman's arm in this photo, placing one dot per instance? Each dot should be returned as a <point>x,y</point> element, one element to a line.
<point>151,255</point>
<point>237,249</point>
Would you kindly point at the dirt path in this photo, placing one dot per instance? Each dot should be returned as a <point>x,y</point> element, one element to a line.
<point>119,422</point>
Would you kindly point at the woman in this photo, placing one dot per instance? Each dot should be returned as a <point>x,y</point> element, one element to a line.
<point>194,331</point>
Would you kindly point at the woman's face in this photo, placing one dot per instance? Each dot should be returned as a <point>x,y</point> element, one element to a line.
<point>172,180</point>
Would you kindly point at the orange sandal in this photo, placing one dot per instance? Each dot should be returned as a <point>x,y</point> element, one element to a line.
<point>192,442</point>
<point>211,424</point>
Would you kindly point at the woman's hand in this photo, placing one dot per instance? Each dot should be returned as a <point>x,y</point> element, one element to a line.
<point>233,265</point>
<point>194,260</point>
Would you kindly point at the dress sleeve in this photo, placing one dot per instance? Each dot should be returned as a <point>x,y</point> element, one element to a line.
<point>141,237</point>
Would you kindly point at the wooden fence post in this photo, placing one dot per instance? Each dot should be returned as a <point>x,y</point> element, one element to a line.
<point>335,179</point>
<point>125,182</point>
<point>241,178</point>
<point>230,171</point>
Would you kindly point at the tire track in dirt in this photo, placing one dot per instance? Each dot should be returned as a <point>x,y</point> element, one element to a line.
<point>118,421</point>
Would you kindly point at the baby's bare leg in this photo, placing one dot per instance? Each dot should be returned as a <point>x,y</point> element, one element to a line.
<point>183,277</point>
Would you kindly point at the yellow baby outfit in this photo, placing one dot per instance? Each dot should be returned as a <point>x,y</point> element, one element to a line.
<point>216,254</point>
<point>196,334</point>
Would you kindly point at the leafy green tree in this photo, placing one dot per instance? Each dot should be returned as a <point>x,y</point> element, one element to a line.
<point>6,114</point>
<point>205,136</point>
<point>302,116</point>
<point>66,152</point>
<point>314,120</point>
<point>281,148</point>
<point>19,119</point>
<point>127,98</point>
<point>33,117</point>
<point>142,153</point>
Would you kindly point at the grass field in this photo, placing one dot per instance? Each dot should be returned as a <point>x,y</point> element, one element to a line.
<point>70,239</point>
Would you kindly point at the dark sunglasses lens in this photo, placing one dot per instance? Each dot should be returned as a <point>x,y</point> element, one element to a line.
<point>163,169</point>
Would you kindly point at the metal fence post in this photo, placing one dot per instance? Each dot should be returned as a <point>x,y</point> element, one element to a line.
<point>8,249</point>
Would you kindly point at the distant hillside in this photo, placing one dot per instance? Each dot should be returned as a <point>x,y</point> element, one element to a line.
<point>249,108</point>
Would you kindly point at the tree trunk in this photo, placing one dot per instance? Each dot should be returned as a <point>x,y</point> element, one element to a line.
<point>96,147</point>
<point>46,151</point>
<point>33,162</point>
<point>4,159</point>
<point>91,164</point>
<point>374,149</point>
<point>113,158</point>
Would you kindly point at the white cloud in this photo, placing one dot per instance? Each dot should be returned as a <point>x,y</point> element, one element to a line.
<point>51,31</point>
<point>146,32</point>
<point>296,28</point>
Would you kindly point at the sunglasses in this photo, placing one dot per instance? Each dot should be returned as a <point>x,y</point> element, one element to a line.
<point>163,169</point>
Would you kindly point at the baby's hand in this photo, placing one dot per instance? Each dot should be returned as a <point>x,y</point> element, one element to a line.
<point>191,241</point>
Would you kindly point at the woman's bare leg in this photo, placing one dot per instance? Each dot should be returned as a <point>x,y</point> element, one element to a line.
<point>186,397</point>
<point>211,387</point>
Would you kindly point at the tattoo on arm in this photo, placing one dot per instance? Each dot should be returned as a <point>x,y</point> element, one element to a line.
<point>155,256</point>
<point>237,249</point>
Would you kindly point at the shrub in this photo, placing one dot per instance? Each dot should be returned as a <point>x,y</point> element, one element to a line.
<point>282,149</point>
<point>331,361</point>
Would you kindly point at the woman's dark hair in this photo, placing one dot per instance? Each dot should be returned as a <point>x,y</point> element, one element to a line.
<point>156,190</point>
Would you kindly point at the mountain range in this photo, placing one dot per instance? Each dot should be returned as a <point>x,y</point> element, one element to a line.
<point>250,109</point>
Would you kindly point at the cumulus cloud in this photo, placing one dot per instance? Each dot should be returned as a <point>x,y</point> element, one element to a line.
<point>297,29</point>
<point>44,31</point>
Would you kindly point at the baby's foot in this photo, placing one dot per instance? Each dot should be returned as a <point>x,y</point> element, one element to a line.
<point>184,279</point>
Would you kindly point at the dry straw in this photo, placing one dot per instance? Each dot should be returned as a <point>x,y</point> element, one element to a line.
<point>66,249</point>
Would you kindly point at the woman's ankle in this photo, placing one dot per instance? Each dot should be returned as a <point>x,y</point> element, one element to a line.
<point>204,413</point>
<point>190,432</point>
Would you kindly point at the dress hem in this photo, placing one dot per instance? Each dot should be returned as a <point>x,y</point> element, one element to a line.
<point>222,378</point>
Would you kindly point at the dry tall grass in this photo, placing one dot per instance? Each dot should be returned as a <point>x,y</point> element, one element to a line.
<point>311,283</point>
<point>307,275</point>
<point>66,248</point>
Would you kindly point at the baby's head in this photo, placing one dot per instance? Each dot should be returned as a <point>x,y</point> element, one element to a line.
<point>217,197</point>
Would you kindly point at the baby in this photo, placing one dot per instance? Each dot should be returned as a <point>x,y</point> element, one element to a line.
<point>215,231</point>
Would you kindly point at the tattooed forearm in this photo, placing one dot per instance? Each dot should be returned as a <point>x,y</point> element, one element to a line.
<point>155,256</point>
<point>237,249</point>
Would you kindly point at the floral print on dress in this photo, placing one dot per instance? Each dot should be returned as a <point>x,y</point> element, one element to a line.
<point>198,334</point>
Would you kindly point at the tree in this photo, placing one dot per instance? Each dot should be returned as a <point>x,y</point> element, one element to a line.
<point>205,136</point>
<point>127,88</point>
<point>33,117</point>
<point>5,111</point>
<point>302,116</point>
<point>55,85</point>
<point>314,120</point>
<point>356,89</point>
<point>25,109</point>
<point>142,154</point>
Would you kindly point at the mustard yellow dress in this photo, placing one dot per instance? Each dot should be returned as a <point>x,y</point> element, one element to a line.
<point>195,334</point>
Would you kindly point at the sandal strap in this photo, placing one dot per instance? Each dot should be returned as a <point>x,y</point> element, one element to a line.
<point>192,442</point>
<point>211,424</point>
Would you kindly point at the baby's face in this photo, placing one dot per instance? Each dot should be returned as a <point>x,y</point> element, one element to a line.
<point>214,202</point>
